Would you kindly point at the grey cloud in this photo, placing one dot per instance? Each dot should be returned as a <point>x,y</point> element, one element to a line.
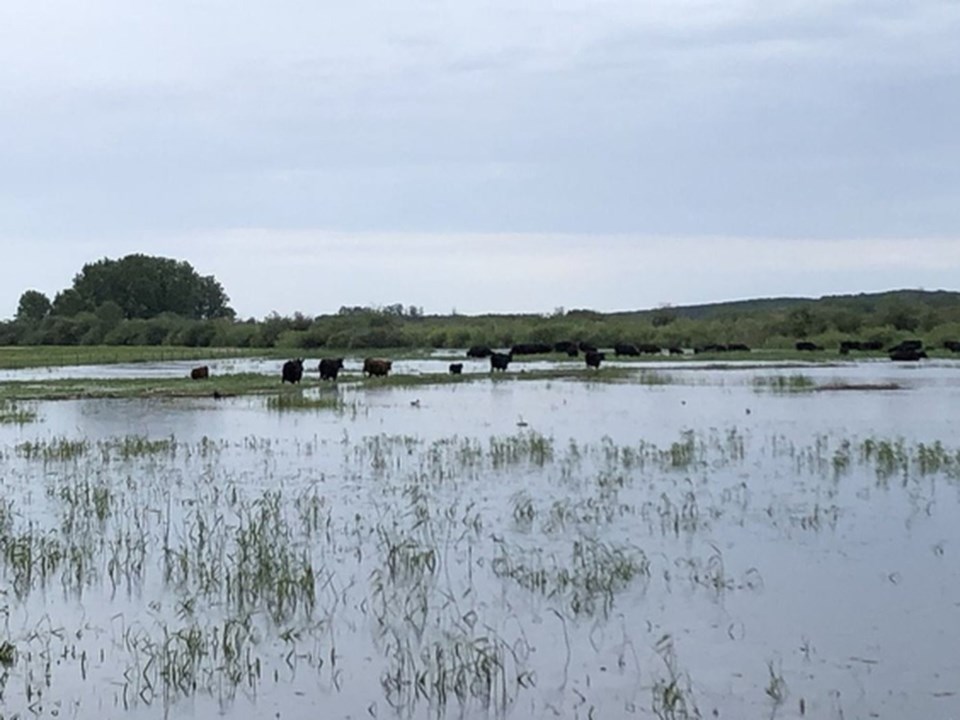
<point>829,119</point>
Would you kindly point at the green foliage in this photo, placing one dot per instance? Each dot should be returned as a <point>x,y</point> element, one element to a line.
<point>69,302</point>
<point>237,335</point>
<point>110,314</point>
<point>764,324</point>
<point>144,287</point>
<point>33,307</point>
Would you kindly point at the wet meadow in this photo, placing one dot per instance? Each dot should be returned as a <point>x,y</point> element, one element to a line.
<point>656,540</point>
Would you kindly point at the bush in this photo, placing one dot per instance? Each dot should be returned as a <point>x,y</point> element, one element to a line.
<point>240,335</point>
<point>195,334</point>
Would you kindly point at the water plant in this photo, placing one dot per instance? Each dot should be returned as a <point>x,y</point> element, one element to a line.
<point>298,400</point>
<point>792,383</point>
<point>672,694</point>
<point>16,413</point>
<point>234,567</point>
<point>776,688</point>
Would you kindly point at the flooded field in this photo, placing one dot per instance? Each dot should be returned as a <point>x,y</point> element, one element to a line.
<point>693,541</point>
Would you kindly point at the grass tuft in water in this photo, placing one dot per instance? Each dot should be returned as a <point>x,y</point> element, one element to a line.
<point>14,413</point>
<point>784,383</point>
<point>776,686</point>
<point>672,695</point>
<point>302,401</point>
<point>8,653</point>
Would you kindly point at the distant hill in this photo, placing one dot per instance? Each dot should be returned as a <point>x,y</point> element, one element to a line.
<point>864,303</point>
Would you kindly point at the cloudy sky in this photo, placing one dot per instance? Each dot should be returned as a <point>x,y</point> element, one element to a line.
<point>484,156</point>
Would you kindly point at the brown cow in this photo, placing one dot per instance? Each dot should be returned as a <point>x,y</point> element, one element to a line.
<point>200,373</point>
<point>376,367</point>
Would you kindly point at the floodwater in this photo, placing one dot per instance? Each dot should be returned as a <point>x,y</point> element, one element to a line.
<point>697,542</point>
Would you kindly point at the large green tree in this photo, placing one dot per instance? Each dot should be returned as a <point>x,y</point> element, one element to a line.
<point>33,307</point>
<point>145,286</point>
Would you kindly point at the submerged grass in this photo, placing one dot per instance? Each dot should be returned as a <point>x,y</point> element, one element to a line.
<point>298,400</point>
<point>595,573</point>
<point>407,554</point>
<point>796,382</point>
<point>14,413</point>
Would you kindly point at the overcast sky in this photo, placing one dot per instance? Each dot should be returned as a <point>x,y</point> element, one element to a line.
<point>484,156</point>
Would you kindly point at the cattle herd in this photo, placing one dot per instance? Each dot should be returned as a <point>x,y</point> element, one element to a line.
<point>905,351</point>
<point>329,368</point>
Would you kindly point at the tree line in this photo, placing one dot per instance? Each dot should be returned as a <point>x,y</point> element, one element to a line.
<point>142,300</point>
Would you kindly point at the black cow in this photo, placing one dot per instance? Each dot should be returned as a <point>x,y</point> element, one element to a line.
<point>915,345</point>
<point>330,367</point>
<point>627,349</point>
<point>479,351</point>
<point>499,361</point>
<point>530,349</point>
<point>674,350</point>
<point>594,359</point>
<point>847,345</point>
<point>807,346</point>
<point>738,347</point>
<point>292,371</point>
<point>377,367</point>
<point>456,368</point>
<point>952,345</point>
<point>200,373</point>
<point>873,345</point>
<point>648,349</point>
<point>566,346</point>
<point>586,347</point>
<point>907,354</point>
<point>908,350</point>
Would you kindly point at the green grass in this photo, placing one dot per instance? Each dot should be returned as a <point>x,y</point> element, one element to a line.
<point>226,385</point>
<point>26,356</point>
<point>258,384</point>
